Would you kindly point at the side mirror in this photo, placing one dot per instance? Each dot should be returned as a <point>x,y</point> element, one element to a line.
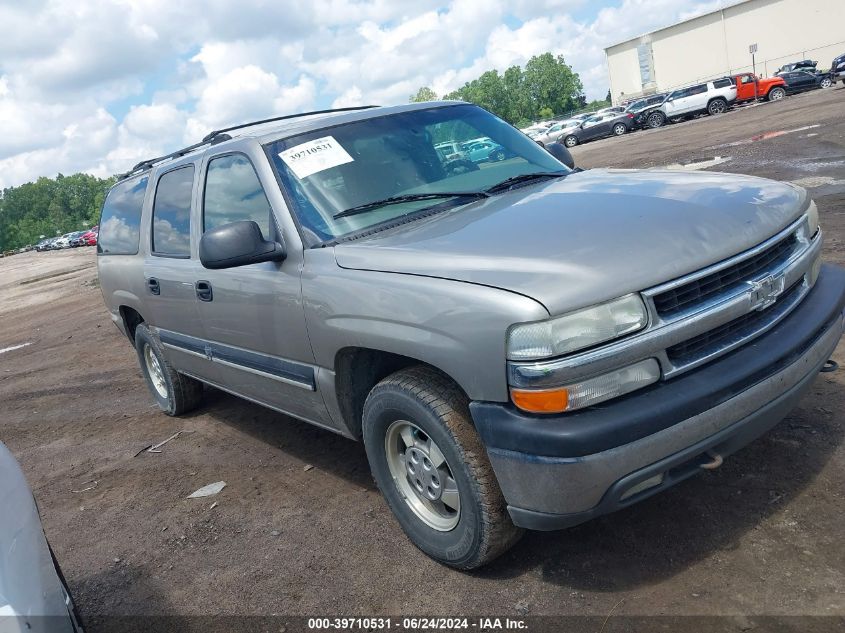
<point>238,244</point>
<point>561,153</point>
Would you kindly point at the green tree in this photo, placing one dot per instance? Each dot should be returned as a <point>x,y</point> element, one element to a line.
<point>48,206</point>
<point>551,83</point>
<point>424,94</point>
<point>546,87</point>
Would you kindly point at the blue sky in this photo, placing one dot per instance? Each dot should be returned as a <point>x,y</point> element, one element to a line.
<point>96,85</point>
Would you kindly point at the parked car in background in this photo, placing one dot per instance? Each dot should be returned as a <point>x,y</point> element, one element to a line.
<point>76,239</point>
<point>805,64</point>
<point>42,245</point>
<point>801,81</point>
<point>712,97</point>
<point>599,126</point>
<point>486,151</point>
<point>553,134</point>
<point>63,241</point>
<point>452,164</point>
<point>33,594</point>
<point>750,87</point>
<point>640,107</point>
<point>452,150</point>
<point>837,69</point>
<point>89,238</point>
<point>617,109</point>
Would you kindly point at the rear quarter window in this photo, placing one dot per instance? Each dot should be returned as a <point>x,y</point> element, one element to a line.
<point>722,83</point>
<point>120,221</point>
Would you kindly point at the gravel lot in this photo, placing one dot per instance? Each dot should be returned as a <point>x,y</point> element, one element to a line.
<point>300,528</point>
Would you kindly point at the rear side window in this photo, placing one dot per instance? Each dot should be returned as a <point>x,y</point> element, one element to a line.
<point>233,193</point>
<point>697,90</point>
<point>722,83</point>
<point>120,221</point>
<point>172,213</point>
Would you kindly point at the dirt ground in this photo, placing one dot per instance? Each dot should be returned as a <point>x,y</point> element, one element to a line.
<point>300,528</point>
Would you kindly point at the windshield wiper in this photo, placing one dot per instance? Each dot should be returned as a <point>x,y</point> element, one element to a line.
<point>409,197</point>
<point>507,183</point>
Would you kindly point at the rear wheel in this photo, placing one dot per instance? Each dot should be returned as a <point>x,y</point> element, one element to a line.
<point>776,94</point>
<point>656,119</point>
<point>432,469</point>
<point>175,393</point>
<point>717,106</point>
<point>570,141</point>
<point>619,129</point>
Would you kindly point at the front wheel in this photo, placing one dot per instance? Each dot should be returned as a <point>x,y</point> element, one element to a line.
<point>432,469</point>
<point>175,393</point>
<point>656,119</point>
<point>717,106</point>
<point>570,141</point>
<point>499,156</point>
<point>827,82</point>
<point>776,94</point>
<point>619,129</point>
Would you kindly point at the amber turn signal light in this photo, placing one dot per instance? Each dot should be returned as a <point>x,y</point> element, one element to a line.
<point>541,400</point>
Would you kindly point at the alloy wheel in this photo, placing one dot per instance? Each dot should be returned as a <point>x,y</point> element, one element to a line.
<point>422,475</point>
<point>154,370</point>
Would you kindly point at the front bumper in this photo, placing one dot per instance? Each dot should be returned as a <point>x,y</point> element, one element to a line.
<point>559,471</point>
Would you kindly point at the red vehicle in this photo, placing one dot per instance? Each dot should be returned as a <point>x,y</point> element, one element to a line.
<point>750,87</point>
<point>90,237</point>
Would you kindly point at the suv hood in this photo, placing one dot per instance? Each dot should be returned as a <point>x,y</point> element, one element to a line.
<point>588,237</point>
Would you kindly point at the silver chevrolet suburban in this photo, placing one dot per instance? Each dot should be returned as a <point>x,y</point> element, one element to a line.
<point>520,345</point>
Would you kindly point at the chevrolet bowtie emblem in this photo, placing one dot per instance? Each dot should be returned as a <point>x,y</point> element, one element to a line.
<point>765,292</point>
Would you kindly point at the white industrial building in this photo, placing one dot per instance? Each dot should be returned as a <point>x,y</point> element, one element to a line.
<point>719,43</point>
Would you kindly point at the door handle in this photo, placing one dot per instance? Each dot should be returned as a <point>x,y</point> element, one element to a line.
<point>204,292</point>
<point>153,286</point>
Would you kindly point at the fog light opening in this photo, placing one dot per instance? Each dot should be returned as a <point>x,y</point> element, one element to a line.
<point>645,484</point>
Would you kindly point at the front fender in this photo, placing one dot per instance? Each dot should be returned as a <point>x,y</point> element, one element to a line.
<point>455,326</point>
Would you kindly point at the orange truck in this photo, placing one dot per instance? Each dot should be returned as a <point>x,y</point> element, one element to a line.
<point>750,87</point>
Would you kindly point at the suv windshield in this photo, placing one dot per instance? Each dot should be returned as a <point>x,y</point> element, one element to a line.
<point>360,164</point>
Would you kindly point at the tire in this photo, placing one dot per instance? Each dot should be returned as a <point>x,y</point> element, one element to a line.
<point>499,156</point>
<point>619,129</point>
<point>717,106</point>
<point>411,420</point>
<point>175,393</point>
<point>827,82</point>
<point>570,141</point>
<point>776,94</point>
<point>655,120</point>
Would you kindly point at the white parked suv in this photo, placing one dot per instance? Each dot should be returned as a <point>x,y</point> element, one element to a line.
<point>713,97</point>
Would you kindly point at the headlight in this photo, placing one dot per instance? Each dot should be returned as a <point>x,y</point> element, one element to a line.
<point>813,218</point>
<point>588,392</point>
<point>576,330</point>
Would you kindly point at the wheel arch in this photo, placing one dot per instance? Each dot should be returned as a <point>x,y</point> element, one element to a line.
<point>359,369</point>
<point>131,320</point>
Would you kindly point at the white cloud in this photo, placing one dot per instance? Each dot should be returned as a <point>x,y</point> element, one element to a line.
<point>175,70</point>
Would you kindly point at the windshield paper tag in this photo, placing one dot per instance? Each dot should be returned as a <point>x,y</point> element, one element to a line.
<point>315,156</point>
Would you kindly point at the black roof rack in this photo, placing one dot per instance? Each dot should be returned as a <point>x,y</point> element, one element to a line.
<point>147,164</point>
<point>218,136</point>
<point>211,135</point>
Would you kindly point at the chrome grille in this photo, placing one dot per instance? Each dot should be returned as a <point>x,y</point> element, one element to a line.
<point>682,298</point>
<point>727,334</point>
